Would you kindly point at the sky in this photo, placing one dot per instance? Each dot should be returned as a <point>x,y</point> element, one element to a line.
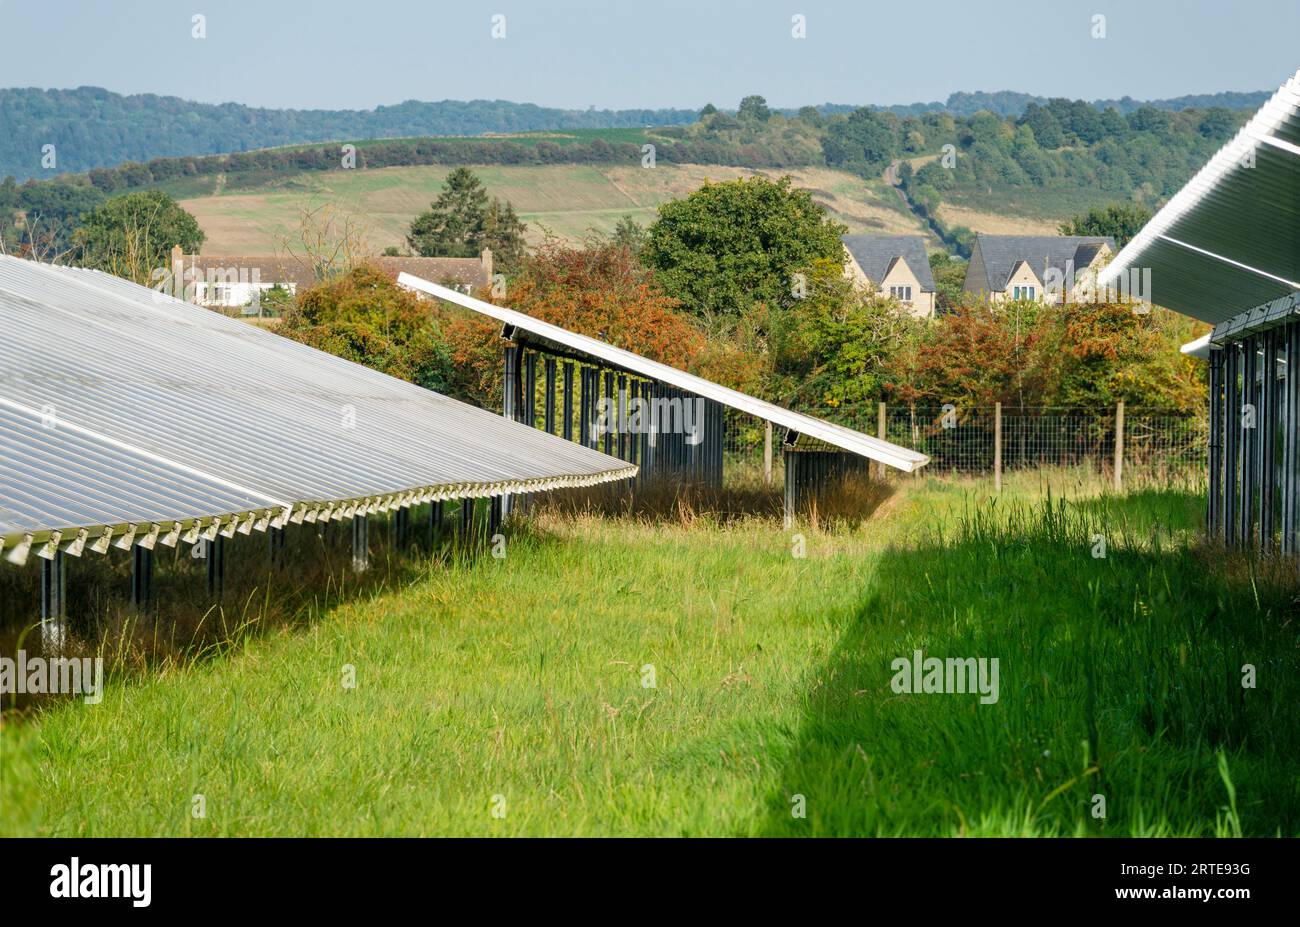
<point>622,54</point>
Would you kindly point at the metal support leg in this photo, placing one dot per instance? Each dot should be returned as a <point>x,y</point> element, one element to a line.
<point>609,411</point>
<point>1268,398</point>
<point>466,520</point>
<point>435,522</point>
<point>530,389</point>
<point>216,557</point>
<point>1250,430</point>
<point>584,397</point>
<point>141,577</point>
<point>568,401</point>
<point>494,516</point>
<point>620,415</point>
<point>275,547</point>
<point>1214,450</point>
<point>54,610</point>
<point>791,491</point>
<point>511,389</point>
<point>548,405</point>
<point>1291,442</point>
<point>360,544</point>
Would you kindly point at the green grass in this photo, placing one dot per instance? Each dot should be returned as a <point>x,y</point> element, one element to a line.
<point>522,678</point>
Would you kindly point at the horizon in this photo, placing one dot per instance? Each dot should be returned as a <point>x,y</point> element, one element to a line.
<point>614,109</point>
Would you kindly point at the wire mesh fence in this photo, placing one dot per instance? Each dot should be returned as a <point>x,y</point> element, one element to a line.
<point>965,442</point>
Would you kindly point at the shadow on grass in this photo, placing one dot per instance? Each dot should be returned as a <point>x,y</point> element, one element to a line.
<point>848,503</point>
<point>1120,685</point>
<point>184,626</point>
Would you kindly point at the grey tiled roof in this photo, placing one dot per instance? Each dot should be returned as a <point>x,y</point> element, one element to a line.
<point>1001,253</point>
<point>875,254</point>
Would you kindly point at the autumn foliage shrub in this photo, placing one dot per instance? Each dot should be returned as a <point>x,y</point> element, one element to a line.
<point>364,316</point>
<point>600,290</point>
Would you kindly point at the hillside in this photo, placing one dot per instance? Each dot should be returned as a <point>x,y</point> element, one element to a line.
<point>953,176</point>
<point>569,200</point>
<point>92,127</point>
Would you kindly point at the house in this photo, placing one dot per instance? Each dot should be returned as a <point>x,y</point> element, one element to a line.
<point>1035,267</point>
<point>238,281</point>
<point>892,266</point>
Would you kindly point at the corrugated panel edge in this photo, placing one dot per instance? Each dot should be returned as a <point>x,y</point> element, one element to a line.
<point>74,539</point>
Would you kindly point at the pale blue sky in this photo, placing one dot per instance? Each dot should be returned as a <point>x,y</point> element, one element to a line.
<point>646,53</point>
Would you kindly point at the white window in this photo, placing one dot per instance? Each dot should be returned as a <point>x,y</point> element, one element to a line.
<point>1022,292</point>
<point>901,293</point>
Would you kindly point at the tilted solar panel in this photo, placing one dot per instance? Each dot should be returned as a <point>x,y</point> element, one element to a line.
<point>120,406</point>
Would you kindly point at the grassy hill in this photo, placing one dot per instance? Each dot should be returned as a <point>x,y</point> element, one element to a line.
<point>569,200</point>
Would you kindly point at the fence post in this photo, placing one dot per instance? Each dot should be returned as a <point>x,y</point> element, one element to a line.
<point>880,433</point>
<point>1119,446</point>
<point>997,447</point>
<point>767,454</point>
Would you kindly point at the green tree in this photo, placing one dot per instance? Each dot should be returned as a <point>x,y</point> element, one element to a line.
<point>453,223</point>
<point>1121,221</point>
<point>865,141</point>
<point>629,234</point>
<point>463,221</point>
<point>364,316</point>
<point>132,235</point>
<point>949,279</point>
<point>753,108</point>
<point>504,234</point>
<point>730,245</point>
<point>811,115</point>
<point>1045,126</point>
<point>831,349</point>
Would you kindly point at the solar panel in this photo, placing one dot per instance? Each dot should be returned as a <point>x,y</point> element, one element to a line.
<point>1230,239</point>
<point>809,429</point>
<point>121,406</point>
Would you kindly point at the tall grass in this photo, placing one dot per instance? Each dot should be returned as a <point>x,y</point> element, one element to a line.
<point>518,685</point>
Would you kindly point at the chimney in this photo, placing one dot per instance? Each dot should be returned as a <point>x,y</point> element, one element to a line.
<point>486,260</point>
<point>178,272</point>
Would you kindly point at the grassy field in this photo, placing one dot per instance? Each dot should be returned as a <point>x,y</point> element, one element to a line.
<point>1019,210</point>
<point>507,696</point>
<point>569,200</point>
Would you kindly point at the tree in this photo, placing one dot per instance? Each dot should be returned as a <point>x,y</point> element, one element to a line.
<point>811,115</point>
<point>753,108</point>
<point>602,291</point>
<point>364,316</point>
<point>504,234</point>
<point>1045,126</point>
<point>454,221</point>
<point>329,242</point>
<point>1120,221</point>
<point>463,221</point>
<point>629,234</point>
<point>830,350</point>
<point>865,141</point>
<point>949,279</point>
<point>709,110</point>
<point>730,245</point>
<point>132,235</point>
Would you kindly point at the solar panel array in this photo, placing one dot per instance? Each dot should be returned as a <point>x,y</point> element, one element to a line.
<point>1230,239</point>
<point>811,431</point>
<point>127,416</point>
